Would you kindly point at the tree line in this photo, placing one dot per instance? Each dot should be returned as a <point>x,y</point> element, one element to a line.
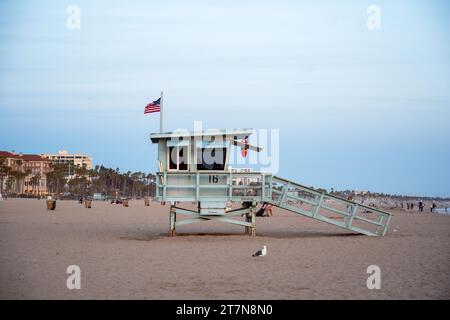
<point>110,182</point>
<point>13,180</point>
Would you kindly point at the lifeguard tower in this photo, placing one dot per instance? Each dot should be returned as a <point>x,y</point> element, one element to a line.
<point>193,168</point>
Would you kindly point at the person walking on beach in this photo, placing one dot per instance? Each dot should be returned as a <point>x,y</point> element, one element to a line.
<point>408,206</point>
<point>412,205</point>
<point>433,207</point>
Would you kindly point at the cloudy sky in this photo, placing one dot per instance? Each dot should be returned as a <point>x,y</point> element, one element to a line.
<point>356,108</point>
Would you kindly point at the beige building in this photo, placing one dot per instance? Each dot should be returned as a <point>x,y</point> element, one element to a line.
<point>27,173</point>
<point>72,160</point>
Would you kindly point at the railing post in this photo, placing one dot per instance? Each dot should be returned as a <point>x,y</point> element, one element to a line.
<point>172,221</point>
<point>353,214</point>
<point>319,203</point>
<point>270,187</point>
<point>197,187</point>
<point>230,190</point>
<point>386,225</point>
<point>283,195</point>
<point>165,187</point>
<point>381,217</point>
<point>253,217</point>
<point>157,187</point>
<point>263,187</point>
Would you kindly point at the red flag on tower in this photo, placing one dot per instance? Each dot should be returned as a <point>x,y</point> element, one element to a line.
<point>245,147</point>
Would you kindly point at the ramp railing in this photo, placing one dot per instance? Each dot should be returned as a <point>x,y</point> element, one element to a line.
<point>212,186</point>
<point>325,207</point>
<point>222,186</point>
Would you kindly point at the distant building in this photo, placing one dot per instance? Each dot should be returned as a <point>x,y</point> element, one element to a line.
<point>71,160</point>
<point>27,173</point>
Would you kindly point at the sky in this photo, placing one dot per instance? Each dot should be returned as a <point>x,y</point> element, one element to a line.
<point>356,108</point>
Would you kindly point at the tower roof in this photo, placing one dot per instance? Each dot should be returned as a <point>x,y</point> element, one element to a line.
<point>238,133</point>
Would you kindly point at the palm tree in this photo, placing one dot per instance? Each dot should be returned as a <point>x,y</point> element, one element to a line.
<point>17,178</point>
<point>151,184</point>
<point>9,183</point>
<point>56,178</point>
<point>22,179</point>
<point>4,172</point>
<point>35,182</point>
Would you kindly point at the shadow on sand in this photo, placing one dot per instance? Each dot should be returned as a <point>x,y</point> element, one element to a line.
<point>274,235</point>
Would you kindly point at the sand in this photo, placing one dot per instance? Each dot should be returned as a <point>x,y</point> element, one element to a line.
<point>124,253</point>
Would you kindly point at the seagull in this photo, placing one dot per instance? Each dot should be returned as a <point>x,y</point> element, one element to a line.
<point>396,229</point>
<point>261,253</point>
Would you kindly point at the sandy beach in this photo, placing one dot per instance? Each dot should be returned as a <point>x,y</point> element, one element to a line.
<point>124,253</point>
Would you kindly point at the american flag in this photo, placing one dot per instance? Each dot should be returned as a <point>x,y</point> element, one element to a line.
<point>154,106</point>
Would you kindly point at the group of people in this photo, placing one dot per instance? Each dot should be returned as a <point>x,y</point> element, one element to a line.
<point>265,210</point>
<point>421,206</point>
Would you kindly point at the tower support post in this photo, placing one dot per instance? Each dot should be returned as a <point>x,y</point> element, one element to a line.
<point>172,221</point>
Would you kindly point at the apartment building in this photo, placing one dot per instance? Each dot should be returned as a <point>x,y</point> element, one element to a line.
<point>71,160</point>
<point>24,173</point>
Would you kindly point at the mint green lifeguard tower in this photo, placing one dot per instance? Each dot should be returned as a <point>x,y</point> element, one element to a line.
<point>193,168</point>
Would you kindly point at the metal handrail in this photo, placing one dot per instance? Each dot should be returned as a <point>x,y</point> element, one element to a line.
<point>267,189</point>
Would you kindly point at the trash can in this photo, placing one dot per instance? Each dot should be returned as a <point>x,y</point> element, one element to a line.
<point>125,202</point>
<point>51,204</point>
<point>147,202</point>
<point>87,203</point>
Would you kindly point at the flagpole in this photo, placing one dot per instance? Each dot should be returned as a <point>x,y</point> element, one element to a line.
<point>161,114</point>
